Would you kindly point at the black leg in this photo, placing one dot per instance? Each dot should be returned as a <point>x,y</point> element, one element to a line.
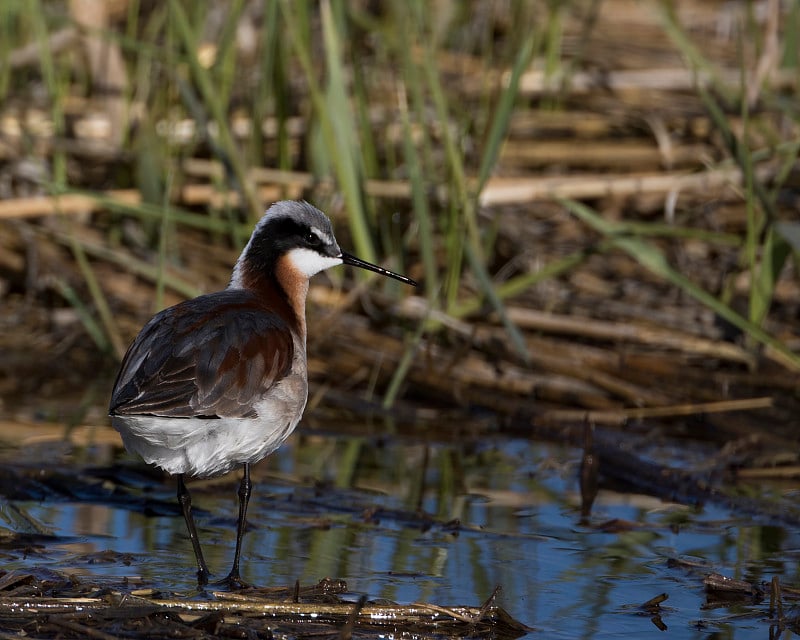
<point>234,580</point>
<point>185,500</point>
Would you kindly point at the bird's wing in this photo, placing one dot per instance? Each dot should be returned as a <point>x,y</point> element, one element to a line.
<point>214,356</point>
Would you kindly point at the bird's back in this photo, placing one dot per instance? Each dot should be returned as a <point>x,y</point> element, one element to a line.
<point>210,383</point>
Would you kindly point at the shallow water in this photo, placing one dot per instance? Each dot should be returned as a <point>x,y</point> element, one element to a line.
<point>438,523</point>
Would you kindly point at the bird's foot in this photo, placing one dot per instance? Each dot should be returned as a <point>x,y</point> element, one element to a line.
<point>233,581</point>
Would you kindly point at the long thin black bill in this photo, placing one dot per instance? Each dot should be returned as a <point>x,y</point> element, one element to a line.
<point>357,262</point>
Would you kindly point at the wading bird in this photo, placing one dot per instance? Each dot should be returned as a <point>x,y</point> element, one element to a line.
<point>220,380</point>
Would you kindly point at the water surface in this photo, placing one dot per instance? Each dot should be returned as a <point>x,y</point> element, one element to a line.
<point>440,523</point>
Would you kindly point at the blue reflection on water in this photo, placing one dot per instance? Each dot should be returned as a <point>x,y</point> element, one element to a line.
<point>516,502</point>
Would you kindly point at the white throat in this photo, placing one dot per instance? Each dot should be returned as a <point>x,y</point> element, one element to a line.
<point>310,262</point>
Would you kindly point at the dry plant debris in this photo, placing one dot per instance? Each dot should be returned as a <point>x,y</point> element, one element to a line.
<point>55,605</point>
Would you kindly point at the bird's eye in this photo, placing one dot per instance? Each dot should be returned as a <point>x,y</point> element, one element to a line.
<point>313,240</point>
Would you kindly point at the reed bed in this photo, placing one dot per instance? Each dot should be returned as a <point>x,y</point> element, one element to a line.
<point>600,199</point>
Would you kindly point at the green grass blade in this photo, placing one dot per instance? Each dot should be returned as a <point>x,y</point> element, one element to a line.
<point>502,115</point>
<point>98,297</point>
<point>55,87</point>
<point>333,113</point>
<point>165,233</point>
<point>211,100</point>
<point>519,284</point>
<point>155,212</point>
<point>9,14</point>
<point>403,367</point>
<point>652,259</point>
<point>774,253</point>
<point>339,112</point>
<point>466,202</point>
<point>90,325</point>
<point>419,198</point>
<point>790,232</point>
<point>224,68</point>
<point>691,54</point>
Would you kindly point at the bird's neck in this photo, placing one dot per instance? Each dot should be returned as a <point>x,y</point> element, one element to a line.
<point>294,285</point>
<point>283,294</point>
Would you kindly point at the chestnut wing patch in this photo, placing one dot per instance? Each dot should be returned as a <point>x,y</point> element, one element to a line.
<point>213,356</point>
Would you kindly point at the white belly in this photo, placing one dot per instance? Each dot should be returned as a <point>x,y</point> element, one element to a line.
<point>211,446</point>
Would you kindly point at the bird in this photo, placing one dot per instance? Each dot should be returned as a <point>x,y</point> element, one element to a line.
<point>220,381</point>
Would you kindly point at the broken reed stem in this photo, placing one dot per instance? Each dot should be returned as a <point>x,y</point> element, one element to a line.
<point>498,191</point>
<point>620,416</point>
<point>592,328</point>
<point>425,615</point>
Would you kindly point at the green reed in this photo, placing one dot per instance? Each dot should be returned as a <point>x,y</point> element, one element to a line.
<point>332,65</point>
